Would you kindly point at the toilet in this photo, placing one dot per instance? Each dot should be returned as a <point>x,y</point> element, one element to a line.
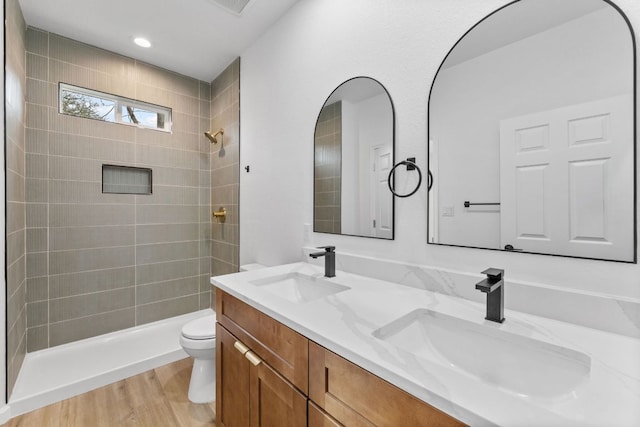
<point>198,339</point>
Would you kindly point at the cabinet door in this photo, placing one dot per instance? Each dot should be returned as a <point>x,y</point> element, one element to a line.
<point>281,347</point>
<point>274,401</point>
<point>356,397</point>
<point>232,382</point>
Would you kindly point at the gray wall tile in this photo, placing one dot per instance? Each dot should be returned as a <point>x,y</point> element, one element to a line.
<point>71,284</point>
<point>65,215</point>
<point>171,289</point>
<point>36,190</point>
<point>87,147</point>
<point>75,169</point>
<point>167,214</point>
<point>66,238</point>
<point>16,246</point>
<point>37,264</point>
<point>15,158</point>
<point>205,300</point>
<point>16,307</point>
<point>85,327</point>
<point>161,252</point>
<point>15,216</point>
<point>36,141</point>
<point>37,240</point>
<point>37,313</point>
<point>90,304</point>
<point>162,233</point>
<point>15,187</point>
<point>37,41</point>
<point>152,273</point>
<point>164,309</point>
<point>90,259</point>
<point>37,338</point>
<point>37,66</point>
<point>37,166</point>
<point>16,275</point>
<point>37,289</point>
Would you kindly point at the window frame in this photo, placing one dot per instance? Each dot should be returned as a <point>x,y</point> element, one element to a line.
<point>120,102</point>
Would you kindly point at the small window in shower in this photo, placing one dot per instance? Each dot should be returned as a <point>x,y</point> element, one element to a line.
<point>91,104</point>
<point>126,180</point>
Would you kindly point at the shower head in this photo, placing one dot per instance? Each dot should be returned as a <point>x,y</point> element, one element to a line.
<point>213,138</point>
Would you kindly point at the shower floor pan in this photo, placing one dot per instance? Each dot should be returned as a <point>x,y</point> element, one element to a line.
<point>51,375</point>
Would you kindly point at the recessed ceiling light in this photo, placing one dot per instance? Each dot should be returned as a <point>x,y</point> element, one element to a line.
<point>142,42</point>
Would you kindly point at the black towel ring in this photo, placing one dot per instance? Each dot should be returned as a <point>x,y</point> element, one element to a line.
<point>410,166</point>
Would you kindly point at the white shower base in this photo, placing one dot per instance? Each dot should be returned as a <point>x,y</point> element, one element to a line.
<point>50,375</point>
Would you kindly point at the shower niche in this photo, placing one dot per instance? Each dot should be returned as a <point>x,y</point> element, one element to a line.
<point>126,180</point>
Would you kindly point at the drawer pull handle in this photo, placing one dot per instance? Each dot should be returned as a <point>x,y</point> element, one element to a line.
<point>241,347</point>
<point>255,360</point>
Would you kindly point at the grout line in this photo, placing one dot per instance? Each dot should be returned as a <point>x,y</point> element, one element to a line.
<point>48,205</point>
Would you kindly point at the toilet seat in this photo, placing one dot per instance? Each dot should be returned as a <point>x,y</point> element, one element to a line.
<point>202,328</point>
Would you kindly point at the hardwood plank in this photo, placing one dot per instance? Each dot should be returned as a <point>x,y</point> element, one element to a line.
<point>154,398</point>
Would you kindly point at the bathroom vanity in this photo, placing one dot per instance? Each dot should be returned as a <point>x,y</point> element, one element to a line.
<point>348,347</point>
<point>268,374</point>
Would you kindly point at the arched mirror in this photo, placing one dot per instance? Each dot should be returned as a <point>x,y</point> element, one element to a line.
<point>353,153</point>
<point>532,133</point>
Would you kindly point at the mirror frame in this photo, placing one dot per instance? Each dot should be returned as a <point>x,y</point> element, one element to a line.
<point>635,140</point>
<point>393,153</point>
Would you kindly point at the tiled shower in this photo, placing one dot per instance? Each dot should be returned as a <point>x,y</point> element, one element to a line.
<point>93,263</point>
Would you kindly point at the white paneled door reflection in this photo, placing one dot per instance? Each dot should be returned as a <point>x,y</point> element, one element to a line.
<point>381,200</point>
<point>566,180</point>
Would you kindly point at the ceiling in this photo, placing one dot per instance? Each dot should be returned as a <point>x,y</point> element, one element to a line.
<point>197,38</point>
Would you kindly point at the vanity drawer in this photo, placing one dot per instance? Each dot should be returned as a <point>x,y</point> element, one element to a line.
<point>281,347</point>
<point>355,397</point>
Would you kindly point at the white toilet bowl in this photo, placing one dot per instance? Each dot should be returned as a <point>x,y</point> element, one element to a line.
<point>198,339</point>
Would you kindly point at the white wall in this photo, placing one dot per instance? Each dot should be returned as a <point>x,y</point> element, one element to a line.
<point>555,71</point>
<point>285,78</point>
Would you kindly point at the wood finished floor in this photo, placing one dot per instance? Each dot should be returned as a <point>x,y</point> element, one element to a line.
<point>154,398</point>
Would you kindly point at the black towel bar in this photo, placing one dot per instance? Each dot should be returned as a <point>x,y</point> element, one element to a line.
<point>468,203</point>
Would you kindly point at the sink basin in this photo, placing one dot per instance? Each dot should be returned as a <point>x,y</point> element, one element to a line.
<point>299,288</point>
<point>522,365</point>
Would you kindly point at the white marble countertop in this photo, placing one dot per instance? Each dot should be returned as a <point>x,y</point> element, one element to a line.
<point>344,322</point>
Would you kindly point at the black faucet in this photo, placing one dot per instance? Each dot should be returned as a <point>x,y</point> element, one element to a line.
<point>492,286</point>
<point>329,260</point>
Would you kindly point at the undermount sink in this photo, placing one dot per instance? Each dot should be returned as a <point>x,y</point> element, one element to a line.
<point>522,365</point>
<point>299,288</point>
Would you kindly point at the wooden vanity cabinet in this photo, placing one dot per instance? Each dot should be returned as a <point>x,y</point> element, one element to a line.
<point>265,371</point>
<point>252,351</point>
<point>355,397</point>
